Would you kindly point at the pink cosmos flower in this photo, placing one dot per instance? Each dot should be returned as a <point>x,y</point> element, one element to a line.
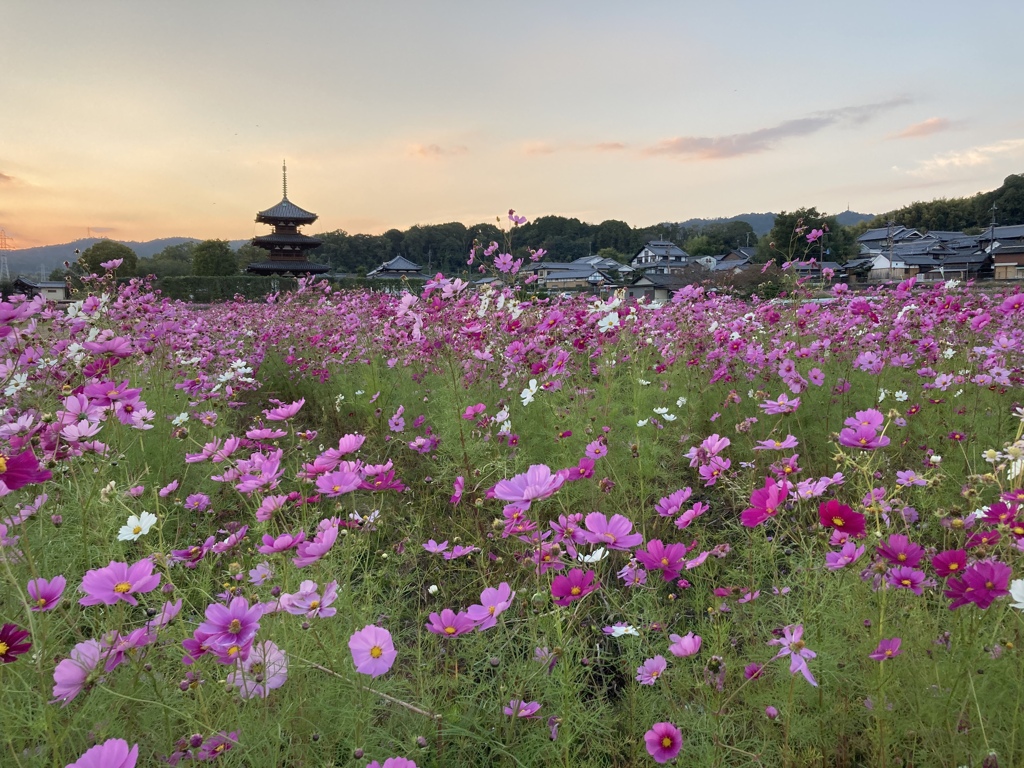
<point>671,504</point>
<point>230,629</point>
<point>72,674</point>
<point>865,438</point>
<point>687,645</point>
<point>848,555</point>
<point>266,668</point>
<point>950,563</point>
<point>118,581</point>
<point>832,514</point>
<point>284,412</point>
<point>613,533</point>
<point>649,672</point>
<point>519,708</point>
<point>492,603</point>
<point>373,652</point>
<point>664,741</point>
<point>113,753</point>
<point>596,449</point>
<point>457,487</point>
<point>572,586</point>
<point>458,551</point>
<point>906,577</point>
<point>887,649</point>
<point>46,594</point>
<point>538,482</point>
<point>282,543</point>
<point>393,762</point>
<point>668,559</point>
<point>307,601</point>
<point>21,470</point>
<point>311,551</point>
<point>450,624</point>
<point>899,550</point>
<point>764,503</point>
<point>780,405</point>
<point>793,646</point>
<point>777,445</point>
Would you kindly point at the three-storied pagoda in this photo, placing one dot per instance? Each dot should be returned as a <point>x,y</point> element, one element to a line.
<point>286,246</point>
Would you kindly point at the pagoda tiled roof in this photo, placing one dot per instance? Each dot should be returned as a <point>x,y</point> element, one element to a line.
<point>291,240</point>
<point>283,266</point>
<point>286,211</point>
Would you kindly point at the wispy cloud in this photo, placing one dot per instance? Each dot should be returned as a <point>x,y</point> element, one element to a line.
<point>971,157</point>
<point>924,128</point>
<point>608,146</point>
<point>539,148</point>
<point>5,179</point>
<point>764,139</point>
<point>434,151</point>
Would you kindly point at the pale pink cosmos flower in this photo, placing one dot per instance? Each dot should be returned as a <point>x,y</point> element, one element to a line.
<point>520,708</point>
<point>686,645</point>
<point>492,603</point>
<point>45,593</point>
<point>266,668</point>
<point>112,753</point>
<point>373,651</point>
<point>793,646</point>
<point>652,669</point>
<point>118,581</point>
<point>613,533</point>
<point>538,482</point>
<point>283,412</point>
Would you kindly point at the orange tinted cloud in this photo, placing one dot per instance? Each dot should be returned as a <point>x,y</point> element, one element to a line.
<point>436,150</point>
<point>5,179</point>
<point>924,128</point>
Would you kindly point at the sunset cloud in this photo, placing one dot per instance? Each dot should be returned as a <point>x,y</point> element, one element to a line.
<point>924,128</point>
<point>539,148</point>
<point>764,139</point>
<point>433,151</point>
<point>5,179</point>
<point>971,157</point>
<point>608,146</point>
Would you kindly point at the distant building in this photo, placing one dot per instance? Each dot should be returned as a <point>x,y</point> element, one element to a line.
<point>51,290</point>
<point>286,246</point>
<point>396,269</point>
<point>660,257</point>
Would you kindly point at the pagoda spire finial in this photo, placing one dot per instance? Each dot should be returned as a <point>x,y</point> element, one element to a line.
<point>284,178</point>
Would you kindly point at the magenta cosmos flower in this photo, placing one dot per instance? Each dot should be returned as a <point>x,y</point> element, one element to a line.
<point>265,669</point>
<point>373,652</point>
<point>230,629</point>
<point>17,471</point>
<point>613,533</point>
<point>764,503</point>
<point>649,672</point>
<point>393,762</point>
<point>72,674</point>
<point>112,753</point>
<point>832,514</point>
<point>538,482</point>
<point>45,593</point>
<point>687,645</point>
<point>668,559</point>
<point>572,586</point>
<point>887,649</point>
<point>449,623</point>
<point>12,642</point>
<point>519,708</point>
<point>663,742</point>
<point>118,581</point>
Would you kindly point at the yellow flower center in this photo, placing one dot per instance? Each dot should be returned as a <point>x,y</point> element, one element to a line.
<point>336,488</point>
<point>797,645</point>
<point>837,521</point>
<point>235,627</point>
<point>906,582</point>
<point>112,393</point>
<point>3,463</point>
<point>902,557</point>
<point>575,591</point>
<point>377,651</point>
<point>314,604</point>
<point>954,566</point>
<point>449,630</point>
<point>666,742</point>
<point>137,529</point>
<point>888,651</point>
<point>664,561</point>
<point>490,610</point>
<point>122,587</point>
<point>3,648</point>
<point>233,650</point>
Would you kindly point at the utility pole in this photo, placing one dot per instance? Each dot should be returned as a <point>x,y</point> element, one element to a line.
<point>992,231</point>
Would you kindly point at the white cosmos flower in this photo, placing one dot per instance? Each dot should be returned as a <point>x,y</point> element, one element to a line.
<point>180,419</point>
<point>901,396</point>
<point>1017,593</point>
<point>594,557</point>
<point>669,417</point>
<point>609,321</point>
<point>137,525</point>
<point>682,401</point>
<point>661,411</point>
<point>642,423</point>
<point>621,631</point>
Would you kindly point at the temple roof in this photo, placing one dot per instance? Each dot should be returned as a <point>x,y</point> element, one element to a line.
<point>284,266</point>
<point>284,212</point>
<point>291,240</point>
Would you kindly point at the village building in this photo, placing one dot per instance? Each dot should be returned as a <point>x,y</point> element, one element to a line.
<point>396,269</point>
<point>51,290</point>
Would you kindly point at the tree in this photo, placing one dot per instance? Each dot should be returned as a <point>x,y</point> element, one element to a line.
<point>247,254</point>
<point>106,251</point>
<point>788,239</point>
<point>214,257</point>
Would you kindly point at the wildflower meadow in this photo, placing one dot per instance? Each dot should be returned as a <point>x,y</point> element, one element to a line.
<point>472,526</point>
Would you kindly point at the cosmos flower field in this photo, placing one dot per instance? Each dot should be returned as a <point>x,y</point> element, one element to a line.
<point>471,527</point>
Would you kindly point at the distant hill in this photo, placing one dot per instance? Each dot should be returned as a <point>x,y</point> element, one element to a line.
<point>762,223</point>
<point>29,261</point>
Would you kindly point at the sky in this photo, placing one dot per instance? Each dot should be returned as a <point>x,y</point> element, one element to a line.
<point>139,120</point>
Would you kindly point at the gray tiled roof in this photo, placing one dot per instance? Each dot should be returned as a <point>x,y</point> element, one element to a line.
<point>281,266</point>
<point>286,210</point>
